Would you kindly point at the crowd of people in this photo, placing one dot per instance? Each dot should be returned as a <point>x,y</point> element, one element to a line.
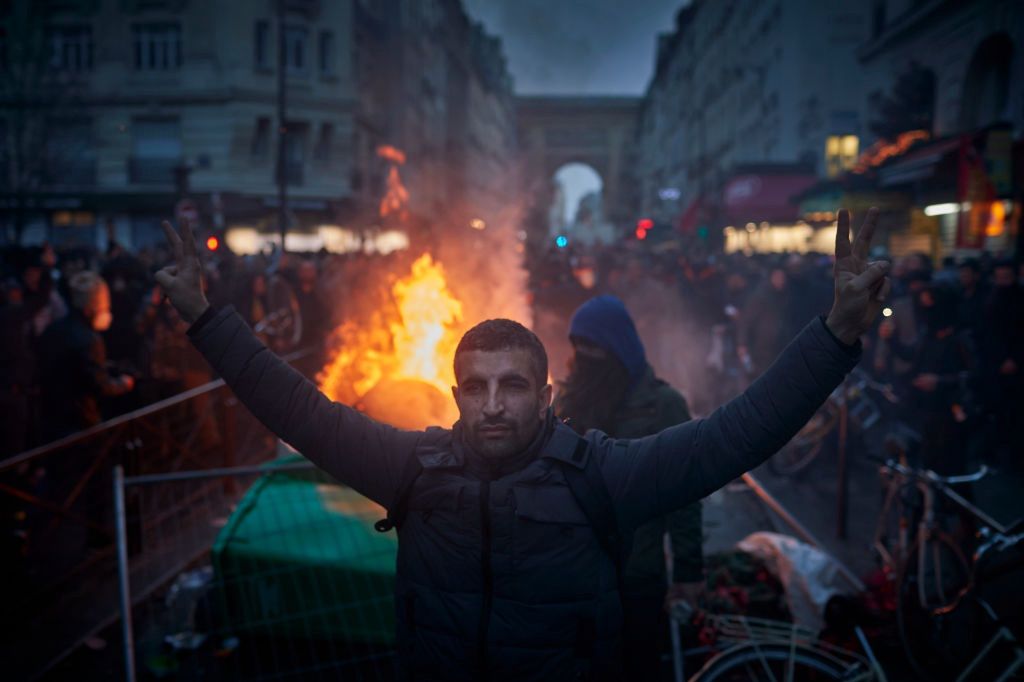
<point>88,335</point>
<point>951,342</point>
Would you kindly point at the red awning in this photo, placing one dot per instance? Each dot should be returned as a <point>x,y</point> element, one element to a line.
<point>690,219</point>
<point>757,198</point>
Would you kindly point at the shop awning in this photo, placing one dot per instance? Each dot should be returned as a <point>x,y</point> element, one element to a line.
<point>690,220</point>
<point>755,198</point>
<point>918,164</point>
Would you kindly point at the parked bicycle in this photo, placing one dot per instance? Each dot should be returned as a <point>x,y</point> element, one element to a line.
<point>855,396</point>
<point>944,599</point>
<point>756,649</point>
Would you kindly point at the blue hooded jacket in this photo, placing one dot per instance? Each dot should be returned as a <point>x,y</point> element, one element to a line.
<point>605,322</point>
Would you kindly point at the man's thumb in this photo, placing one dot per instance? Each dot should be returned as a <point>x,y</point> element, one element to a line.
<point>164,279</point>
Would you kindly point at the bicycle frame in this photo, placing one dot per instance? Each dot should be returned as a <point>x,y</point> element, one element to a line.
<point>928,483</point>
<point>1003,634</point>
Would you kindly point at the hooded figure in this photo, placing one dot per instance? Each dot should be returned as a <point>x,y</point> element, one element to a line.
<point>612,388</point>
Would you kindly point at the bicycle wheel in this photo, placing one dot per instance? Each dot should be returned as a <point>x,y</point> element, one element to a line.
<point>801,450</point>
<point>929,582</point>
<point>753,662</point>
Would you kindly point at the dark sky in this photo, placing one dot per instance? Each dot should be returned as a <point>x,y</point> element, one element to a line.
<point>593,47</point>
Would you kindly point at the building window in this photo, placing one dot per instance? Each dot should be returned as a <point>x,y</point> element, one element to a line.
<point>156,150</point>
<point>261,138</point>
<point>157,47</point>
<point>263,46</point>
<point>70,157</point>
<point>71,48</point>
<point>840,153</point>
<point>322,152</point>
<point>326,53</point>
<point>296,40</point>
<point>295,153</point>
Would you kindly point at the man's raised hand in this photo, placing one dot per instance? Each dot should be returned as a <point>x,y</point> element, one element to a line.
<point>861,287</point>
<point>183,280</point>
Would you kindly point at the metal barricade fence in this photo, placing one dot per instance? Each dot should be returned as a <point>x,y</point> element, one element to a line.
<point>268,572</point>
<point>57,553</point>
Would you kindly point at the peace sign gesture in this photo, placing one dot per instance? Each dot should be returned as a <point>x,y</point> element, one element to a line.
<point>183,281</point>
<point>861,286</point>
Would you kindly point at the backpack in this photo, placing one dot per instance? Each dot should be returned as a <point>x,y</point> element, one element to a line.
<point>587,486</point>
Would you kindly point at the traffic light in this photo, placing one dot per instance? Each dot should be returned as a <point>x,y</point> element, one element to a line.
<point>212,243</point>
<point>642,226</point>
<point>561,241</point>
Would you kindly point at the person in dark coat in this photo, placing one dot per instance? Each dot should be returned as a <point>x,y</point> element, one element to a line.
<point>1003,364</point>
<point>612,388</point>
<point>769,319</point>
<point>73,360</point>
<point>501,573</point>
<point>942,389</point>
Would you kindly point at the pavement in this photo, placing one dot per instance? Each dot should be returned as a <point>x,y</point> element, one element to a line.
<point>735,511</point>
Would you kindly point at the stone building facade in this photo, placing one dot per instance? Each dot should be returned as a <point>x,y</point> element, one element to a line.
<point>149,102</point>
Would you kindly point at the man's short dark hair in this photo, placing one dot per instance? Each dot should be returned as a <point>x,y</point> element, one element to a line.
<point>501,334</point>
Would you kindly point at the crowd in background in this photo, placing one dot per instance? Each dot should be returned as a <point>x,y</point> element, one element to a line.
<point>952,344</point>
<point>87,334</point>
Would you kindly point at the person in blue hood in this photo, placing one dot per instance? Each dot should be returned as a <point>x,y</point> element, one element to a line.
<point>612,388</point>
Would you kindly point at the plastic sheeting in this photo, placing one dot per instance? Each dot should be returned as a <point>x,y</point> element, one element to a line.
<point>810,577</point>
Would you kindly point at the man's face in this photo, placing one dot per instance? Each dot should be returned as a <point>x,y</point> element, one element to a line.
<point>501,403</point>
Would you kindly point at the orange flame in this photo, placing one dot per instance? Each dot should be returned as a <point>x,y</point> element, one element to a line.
<point>398,367</point>
<point>396,198</point>
<point>392,154</point>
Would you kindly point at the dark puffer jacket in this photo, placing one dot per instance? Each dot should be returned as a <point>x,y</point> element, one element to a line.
<point>503,579</point>
<point>652,406</point>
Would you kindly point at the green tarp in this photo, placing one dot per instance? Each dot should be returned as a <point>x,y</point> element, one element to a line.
<point>299,558</point>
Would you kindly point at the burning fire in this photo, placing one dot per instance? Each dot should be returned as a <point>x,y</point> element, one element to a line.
<point>397,196</point>
<point>398,367</point>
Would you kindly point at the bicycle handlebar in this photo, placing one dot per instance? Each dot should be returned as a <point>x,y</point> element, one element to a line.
<point>932,477</point>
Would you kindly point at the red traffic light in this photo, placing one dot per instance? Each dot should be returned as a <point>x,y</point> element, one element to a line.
<point>644,224</point>
<point>212,243</point>
<point>641,233</point>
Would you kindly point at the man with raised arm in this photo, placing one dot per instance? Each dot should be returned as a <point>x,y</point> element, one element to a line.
<point>511,527</point>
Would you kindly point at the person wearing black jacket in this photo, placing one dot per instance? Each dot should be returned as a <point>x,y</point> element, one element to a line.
<point>502,574</point>
<point>73,374</point>
<point>612,388</point>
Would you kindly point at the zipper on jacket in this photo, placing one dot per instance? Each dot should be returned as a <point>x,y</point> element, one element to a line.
<point>488,579</point>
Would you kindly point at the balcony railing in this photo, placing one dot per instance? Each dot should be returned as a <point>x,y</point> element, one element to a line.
<point>293,173</point>
<point>70,173</point>
<point>152,171</point>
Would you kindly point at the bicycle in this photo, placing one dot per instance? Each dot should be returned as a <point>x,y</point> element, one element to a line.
<point>862,411</point>
<point>759,649</point>
<point>931,572</point>
<point>976,636</point>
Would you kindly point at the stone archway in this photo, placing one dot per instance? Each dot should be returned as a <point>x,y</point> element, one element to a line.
<point>595,131</point>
